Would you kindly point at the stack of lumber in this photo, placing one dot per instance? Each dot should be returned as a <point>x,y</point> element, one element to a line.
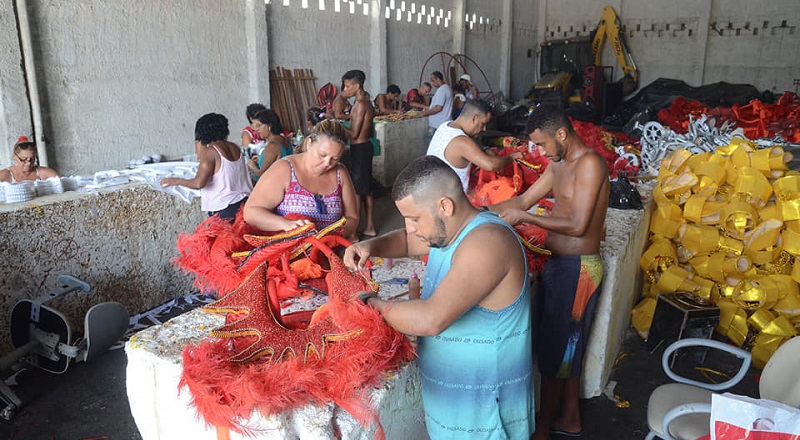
<point>291,93</point>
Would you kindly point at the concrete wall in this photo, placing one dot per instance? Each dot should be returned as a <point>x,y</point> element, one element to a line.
<point>326,41</point>
<point>121,80</point>
<point>483,44</point>
<point>15,117</point>
<point>523,49</point>
<point>119,240</point>
<point>700,42</point>
<point>411,44</point>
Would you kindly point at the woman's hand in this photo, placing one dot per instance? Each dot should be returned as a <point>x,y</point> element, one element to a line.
<point>293,224</point>
<point>169,181</point>
<point>252,163</point>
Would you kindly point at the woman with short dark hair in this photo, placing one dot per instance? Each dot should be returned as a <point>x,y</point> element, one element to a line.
<point>222,176</point>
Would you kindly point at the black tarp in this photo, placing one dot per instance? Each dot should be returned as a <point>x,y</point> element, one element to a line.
<point>646,103</point>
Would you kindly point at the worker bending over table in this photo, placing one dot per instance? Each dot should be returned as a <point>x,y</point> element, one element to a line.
<point>473,320</point>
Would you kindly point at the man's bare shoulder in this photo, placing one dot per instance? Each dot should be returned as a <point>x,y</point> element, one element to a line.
<point>592,160</point>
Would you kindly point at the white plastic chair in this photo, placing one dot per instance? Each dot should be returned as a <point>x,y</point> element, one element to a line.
<point>682,410</point>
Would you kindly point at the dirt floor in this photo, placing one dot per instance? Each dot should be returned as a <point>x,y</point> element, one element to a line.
<point>89,401</point>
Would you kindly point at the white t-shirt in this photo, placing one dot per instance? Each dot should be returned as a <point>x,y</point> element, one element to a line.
<point>443,97</point>
<point>439,142</point>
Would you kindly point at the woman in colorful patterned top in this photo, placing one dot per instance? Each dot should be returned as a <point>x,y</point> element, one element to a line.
<point>312,184</point>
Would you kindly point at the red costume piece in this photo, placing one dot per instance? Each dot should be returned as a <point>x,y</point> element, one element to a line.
<point>262,361</point>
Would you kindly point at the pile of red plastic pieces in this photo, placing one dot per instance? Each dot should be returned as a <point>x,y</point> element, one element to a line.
<point>757,119</point>
<point>605,143</point>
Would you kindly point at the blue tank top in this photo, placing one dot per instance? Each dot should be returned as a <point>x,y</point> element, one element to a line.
<point>476,375</point>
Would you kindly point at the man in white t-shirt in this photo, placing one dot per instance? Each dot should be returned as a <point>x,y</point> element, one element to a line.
<point>452,143</point>
<point>441,106</point>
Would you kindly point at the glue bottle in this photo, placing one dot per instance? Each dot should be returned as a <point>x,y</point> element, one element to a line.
<point>414,291</point>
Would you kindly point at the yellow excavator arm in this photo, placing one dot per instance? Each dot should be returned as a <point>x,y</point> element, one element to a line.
<point>609,27</point>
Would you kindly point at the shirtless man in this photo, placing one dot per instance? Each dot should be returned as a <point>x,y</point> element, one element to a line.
<point>452,142</point>
<point>473,319</point>
<point>389,102</point>
<point>340,108</point>
<point>570,280</point>
<point>360,146</point>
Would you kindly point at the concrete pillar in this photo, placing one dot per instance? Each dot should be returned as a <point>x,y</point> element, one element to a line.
<point>15,110</point>
<point>541,28</point>
<point>257,52</point>
<point>377,77</point>
<point>459,26</point>
<point>703,21</point>
<point>506,30</point>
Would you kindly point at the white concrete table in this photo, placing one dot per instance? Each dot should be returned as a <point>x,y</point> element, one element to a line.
<point>627,233</point>
<point>161,412</point>
<point>401,142</point>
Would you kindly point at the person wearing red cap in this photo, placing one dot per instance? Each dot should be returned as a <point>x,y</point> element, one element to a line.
<point>26,166</point>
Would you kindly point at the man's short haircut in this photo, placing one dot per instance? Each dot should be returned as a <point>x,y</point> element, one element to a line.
<point>427,178</point>
<point>393,88</point>
<point>426,83</point>
<point>438,75</point>
<point>254,108</point>
<point>475,107</point>
<point>269,117</point>
<point>548,118</point>
<point>354,75</point>
<point>211,127</point>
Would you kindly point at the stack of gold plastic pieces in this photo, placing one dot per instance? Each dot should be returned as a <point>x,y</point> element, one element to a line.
<point>726,226</point>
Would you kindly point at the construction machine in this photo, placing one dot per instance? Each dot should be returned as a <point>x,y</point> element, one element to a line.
<point>571,70</point>
<point>609,27</point>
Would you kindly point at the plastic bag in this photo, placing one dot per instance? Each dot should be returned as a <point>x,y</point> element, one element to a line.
<point>742,417</point>
<point>623,194</point>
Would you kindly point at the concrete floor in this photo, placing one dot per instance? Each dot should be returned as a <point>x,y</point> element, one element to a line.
<point>89,401</point>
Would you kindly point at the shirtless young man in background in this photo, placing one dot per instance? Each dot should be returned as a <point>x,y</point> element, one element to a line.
<point>361,152</point>
<point>570,280</point>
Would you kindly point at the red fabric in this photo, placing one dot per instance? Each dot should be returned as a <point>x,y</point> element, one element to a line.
<point>757,119</point>
<point>489,188</point>
<point>605,144</point>
<point>260,361</point>
<point>325,97</point>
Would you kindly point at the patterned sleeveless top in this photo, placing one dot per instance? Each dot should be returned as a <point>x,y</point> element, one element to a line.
<point>321,209</point>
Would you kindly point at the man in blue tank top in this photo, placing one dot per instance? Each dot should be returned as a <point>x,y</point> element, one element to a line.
<point>473,320</point>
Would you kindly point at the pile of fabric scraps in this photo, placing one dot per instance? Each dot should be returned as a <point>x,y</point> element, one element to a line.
<point>726,227</point>
<point>271,360</point>
<point>488,188</point>
<point>619,151</point>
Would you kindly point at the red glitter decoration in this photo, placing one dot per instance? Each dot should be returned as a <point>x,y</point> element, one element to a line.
<point>262,361</point>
